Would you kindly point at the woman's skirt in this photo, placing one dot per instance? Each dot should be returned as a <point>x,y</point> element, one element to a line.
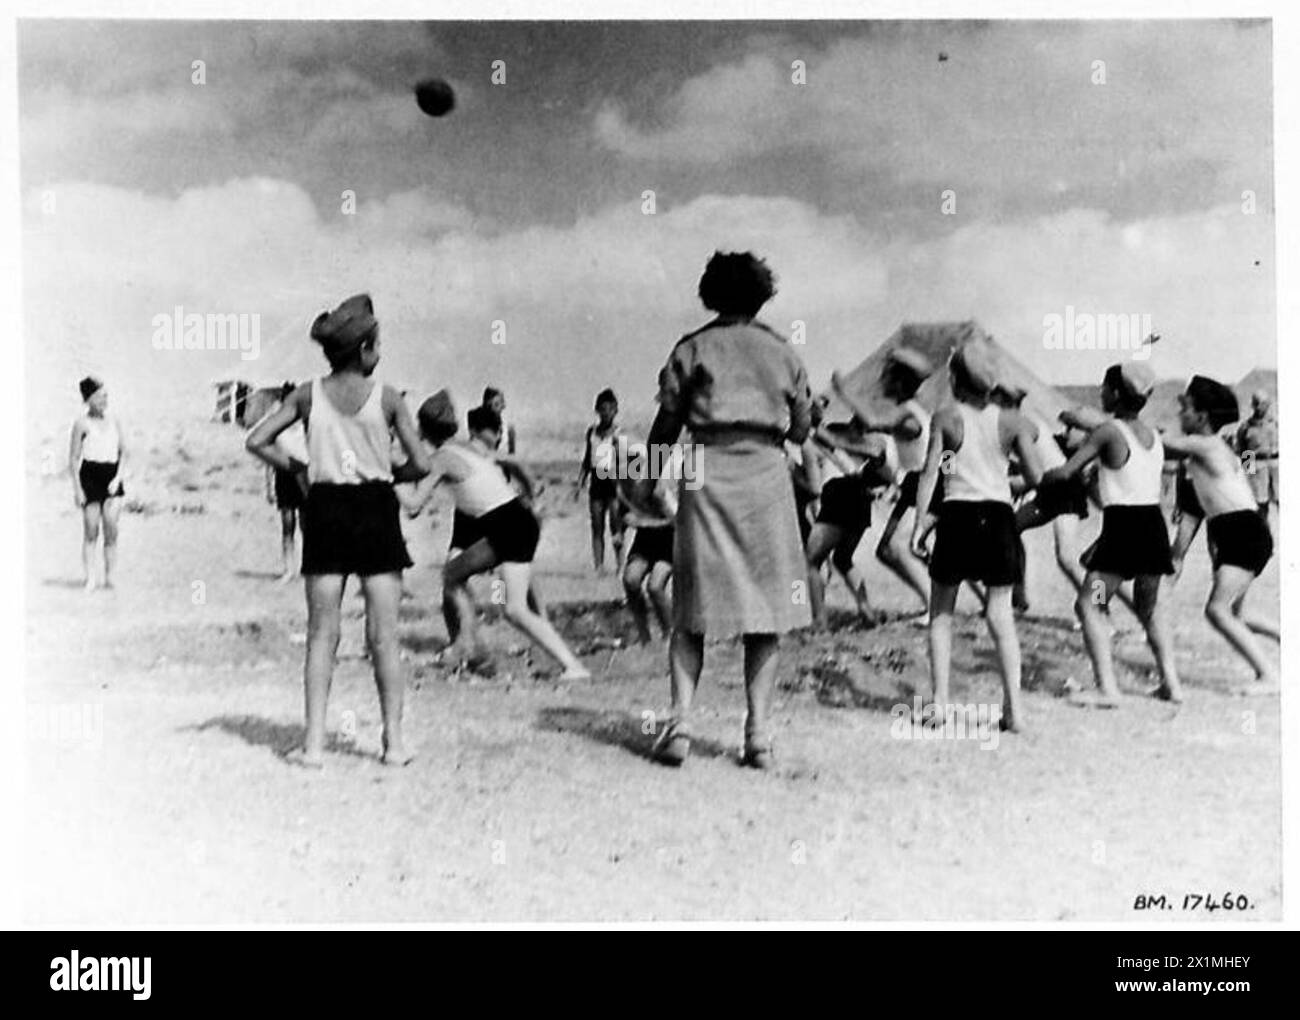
<point>352,529</point>
<point>738,564</point>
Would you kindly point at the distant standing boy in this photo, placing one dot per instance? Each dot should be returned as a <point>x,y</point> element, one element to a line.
<point>1134,540</point>
<point>649,569</point>
<point>602,445</point>
<point>971,443</point>
<point>350,521</point>
<point>96,457</point>
<point>288,491</point>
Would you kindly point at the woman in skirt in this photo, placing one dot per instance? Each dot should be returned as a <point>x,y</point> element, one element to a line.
<point>95,459</point>
<point>350,521</point>
<point>738,567</point>
<point>971,442</point>
<point>1134,540</point>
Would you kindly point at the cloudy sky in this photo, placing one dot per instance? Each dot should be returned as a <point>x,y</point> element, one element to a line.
<point>144,191</point>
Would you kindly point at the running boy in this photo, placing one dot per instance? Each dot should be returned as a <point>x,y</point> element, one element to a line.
<point>350,521</point>
<point>506,535</point>
<point>908,425</point>
<point>1134,540</point>
<point>601,447</point>
<point>1238,536</point>
<point>971,442</point>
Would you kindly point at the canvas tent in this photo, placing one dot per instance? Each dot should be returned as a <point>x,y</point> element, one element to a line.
<point>937,340</point>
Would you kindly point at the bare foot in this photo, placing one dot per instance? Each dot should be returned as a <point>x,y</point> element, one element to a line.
<point>1163,692</point>
<point>1095,699</point>
<point>576,673</point>
<point>300,757</point>
<point>89,585</point>
<point>397,757</point>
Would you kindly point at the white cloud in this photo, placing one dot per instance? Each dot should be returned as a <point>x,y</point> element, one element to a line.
<point>600,301</point>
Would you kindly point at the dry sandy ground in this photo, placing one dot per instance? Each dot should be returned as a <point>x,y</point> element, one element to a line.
<point>534,801</point>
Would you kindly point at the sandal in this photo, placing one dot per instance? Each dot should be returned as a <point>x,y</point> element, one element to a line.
<point>672,747</point>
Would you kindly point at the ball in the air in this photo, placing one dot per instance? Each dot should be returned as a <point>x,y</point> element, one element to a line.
<point>435,97</point>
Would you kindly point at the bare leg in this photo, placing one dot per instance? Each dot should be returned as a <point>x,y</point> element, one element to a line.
<point>597,508</point>
<point>516,576</point>
<point>943,599</point>
<point>760,680</point>
<point>457,605</point>
<point>821,542</point>
<point>383,593</point>
<point>288,547</point>
<point>659,587</point>
<point>324,597</point>
<point>112,513</point>
<point>1146,591</point>
<point>1229,590</point>
<point>1096,593</point>
<point>1000,616</point>
<point>91,515</point>
<point>894,553</point>
<point>685,660</point>
<point>633,576</point>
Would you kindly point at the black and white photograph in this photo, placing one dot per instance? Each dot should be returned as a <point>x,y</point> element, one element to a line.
<point>649,471</point>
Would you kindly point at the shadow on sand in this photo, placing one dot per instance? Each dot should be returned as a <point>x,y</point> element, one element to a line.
<point>280,738</point>
<point>617,729</point>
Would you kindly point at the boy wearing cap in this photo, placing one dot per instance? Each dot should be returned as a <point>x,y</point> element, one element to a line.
<point>505,534</point>
<point>971,443</point>
<point>350,521</point>
<point>1134,540</point>
<point>1239,539</point>
<point>96,455</point>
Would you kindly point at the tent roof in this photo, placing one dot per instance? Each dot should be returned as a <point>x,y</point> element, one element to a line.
<point>937,340</point>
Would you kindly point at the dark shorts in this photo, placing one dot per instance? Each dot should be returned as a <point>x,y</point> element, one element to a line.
<point>1239,539</point>
<point>95,476</point>
<point>977,541</point>
<point>908,490</point>
<point>512,531</point>
<point>846,503</point>
<point>1134,541</point>
<point>1065,497</point>
<point>602,499</point>
<point>352,529</point>
<point>654,545</point>
<point>290,489</point>
<point>465,531</point>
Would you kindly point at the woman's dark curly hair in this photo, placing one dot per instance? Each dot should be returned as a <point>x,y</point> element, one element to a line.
<point>736,283</point>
